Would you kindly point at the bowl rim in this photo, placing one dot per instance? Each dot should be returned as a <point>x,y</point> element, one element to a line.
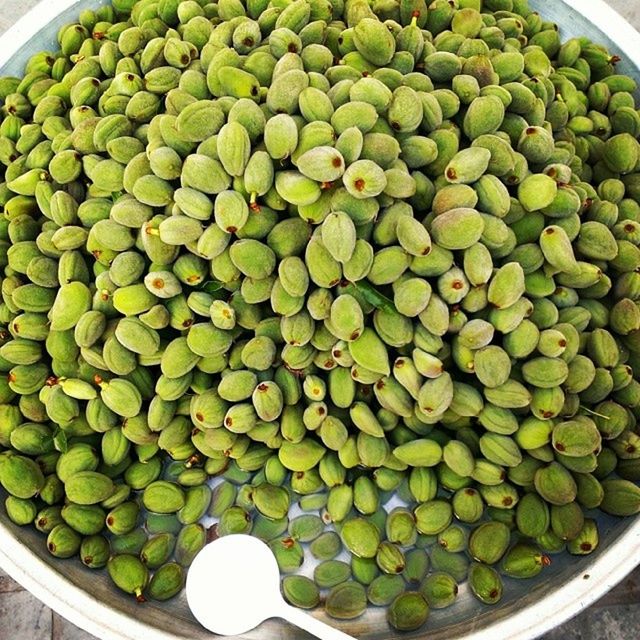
<point>87,612</point>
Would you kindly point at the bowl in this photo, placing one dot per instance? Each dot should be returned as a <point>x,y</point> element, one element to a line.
<point>529,608</point>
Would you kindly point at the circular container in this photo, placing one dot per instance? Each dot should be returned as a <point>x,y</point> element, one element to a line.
<point>528,609</point>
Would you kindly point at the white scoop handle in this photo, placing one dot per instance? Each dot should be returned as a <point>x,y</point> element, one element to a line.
<point>314,626</point>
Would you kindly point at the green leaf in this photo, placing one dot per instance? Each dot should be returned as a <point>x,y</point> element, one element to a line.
<point>374,297</point>
<point>211,286</point>
<point>60,441</point>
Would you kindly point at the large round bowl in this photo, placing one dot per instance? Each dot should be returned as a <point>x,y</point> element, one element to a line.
<point>529,608</point>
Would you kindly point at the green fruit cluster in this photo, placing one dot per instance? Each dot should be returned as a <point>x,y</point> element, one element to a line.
<point>330,253</point>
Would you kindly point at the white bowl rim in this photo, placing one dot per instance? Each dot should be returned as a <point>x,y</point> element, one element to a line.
<point>92,615</point>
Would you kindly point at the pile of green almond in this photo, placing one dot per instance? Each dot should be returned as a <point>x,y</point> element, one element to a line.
<point>360,278</point>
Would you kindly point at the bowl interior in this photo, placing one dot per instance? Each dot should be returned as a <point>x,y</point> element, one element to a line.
<point>515,616</point>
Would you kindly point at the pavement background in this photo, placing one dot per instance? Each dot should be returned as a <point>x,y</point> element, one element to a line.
<point>615,617</point>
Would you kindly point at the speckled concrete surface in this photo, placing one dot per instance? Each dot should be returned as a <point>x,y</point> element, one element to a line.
<point>615,617</point>
<point>630,9</point>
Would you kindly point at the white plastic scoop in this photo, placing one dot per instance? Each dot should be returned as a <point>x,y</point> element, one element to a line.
<point>234,584</point>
